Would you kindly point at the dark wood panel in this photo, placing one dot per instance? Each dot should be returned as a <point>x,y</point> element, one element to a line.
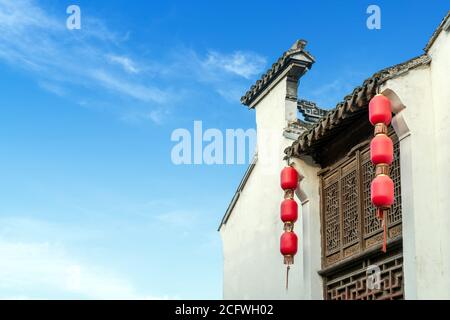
<point>349,224</point>
<point>352,283</point>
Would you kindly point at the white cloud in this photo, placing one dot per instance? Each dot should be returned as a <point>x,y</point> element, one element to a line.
<point>38,42</point>
<point>226,73</point>
<point>127,64</point>
<point>243,64</point>
<point>34,268</point>
<point>21,14</point>
<point>91,63</point>
<point>134,90</point>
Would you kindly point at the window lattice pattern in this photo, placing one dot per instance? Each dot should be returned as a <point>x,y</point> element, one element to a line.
<point>346,205</point>
<point>354,285</point>
<point>371,223</point>
<point>395,214</point>
<point>350,208</point>
<point>332,236</point>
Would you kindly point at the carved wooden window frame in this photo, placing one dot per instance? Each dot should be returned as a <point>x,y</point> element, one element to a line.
<point>348,223</point>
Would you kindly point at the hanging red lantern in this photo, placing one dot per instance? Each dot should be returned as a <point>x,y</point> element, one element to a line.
<point>382,191</point>
<point>381,155</point>
<point>289,178</point>
<point>289,215</point>
<point>381,150</point>
<point>289,246</point>
<point>380,110</point>
<point>289,210</point>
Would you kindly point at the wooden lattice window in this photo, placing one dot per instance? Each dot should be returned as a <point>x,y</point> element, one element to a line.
<point>349,223</point>
<point>351,284</point>
<point>350,229</point>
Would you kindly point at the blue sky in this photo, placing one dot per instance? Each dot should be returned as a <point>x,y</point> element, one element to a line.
<point>91,205</point>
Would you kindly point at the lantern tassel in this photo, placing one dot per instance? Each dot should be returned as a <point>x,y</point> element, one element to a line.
<point>380,213</point>
<point>382,217</point>
<point>287,277</point>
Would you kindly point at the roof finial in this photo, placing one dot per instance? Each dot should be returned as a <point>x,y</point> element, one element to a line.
<point>299,45</point>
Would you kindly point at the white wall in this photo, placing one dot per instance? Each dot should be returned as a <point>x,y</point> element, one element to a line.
<point>440,79</point>
<point>253,265</point>
<point>424,131</point>
<point>310,236</point>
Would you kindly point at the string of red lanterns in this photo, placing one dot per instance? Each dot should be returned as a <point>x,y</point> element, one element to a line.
<point>382,186</point>
<point>289,215</point>
<point>381,155</point>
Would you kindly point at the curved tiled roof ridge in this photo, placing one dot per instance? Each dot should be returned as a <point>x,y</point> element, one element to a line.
<point>437,31</point>
<point>352,103</point>
<point>360,96</point>
<point>275,70</point>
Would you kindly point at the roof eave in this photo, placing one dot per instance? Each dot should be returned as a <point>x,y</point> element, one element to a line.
<point>443,26</point>
<point>295,56</point>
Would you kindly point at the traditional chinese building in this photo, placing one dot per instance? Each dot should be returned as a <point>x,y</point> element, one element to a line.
<point>339,234</point>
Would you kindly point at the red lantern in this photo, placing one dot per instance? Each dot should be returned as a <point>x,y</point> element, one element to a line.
<point>289,210</point>
<point>288,244</point>
<point>382,191</point>
<point>380,110</point>
<point>381,150</point>
<point>289,178</point>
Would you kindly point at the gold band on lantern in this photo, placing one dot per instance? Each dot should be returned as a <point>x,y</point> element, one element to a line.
<point>288,226</point>
<point>380,128</point>
<point>288,259</point>
<point>382,169</point>
<point>289,194</point>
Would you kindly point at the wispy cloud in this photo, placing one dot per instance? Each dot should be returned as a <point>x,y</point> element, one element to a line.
<point>38,42</point>
<point>134,90</point>
<point>227,74</point>
<point>97,62</point>
<point>30,267</point>
<point>127,64</point>
<point>37,264</point>
<point>243,64</point>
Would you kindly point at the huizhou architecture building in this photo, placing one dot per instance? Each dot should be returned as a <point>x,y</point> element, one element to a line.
<point>340,238</point>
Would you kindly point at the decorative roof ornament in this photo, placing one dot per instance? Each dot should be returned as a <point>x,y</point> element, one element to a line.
<point>299,45</point>
<point>310,111</point>
<point>296,61</point>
